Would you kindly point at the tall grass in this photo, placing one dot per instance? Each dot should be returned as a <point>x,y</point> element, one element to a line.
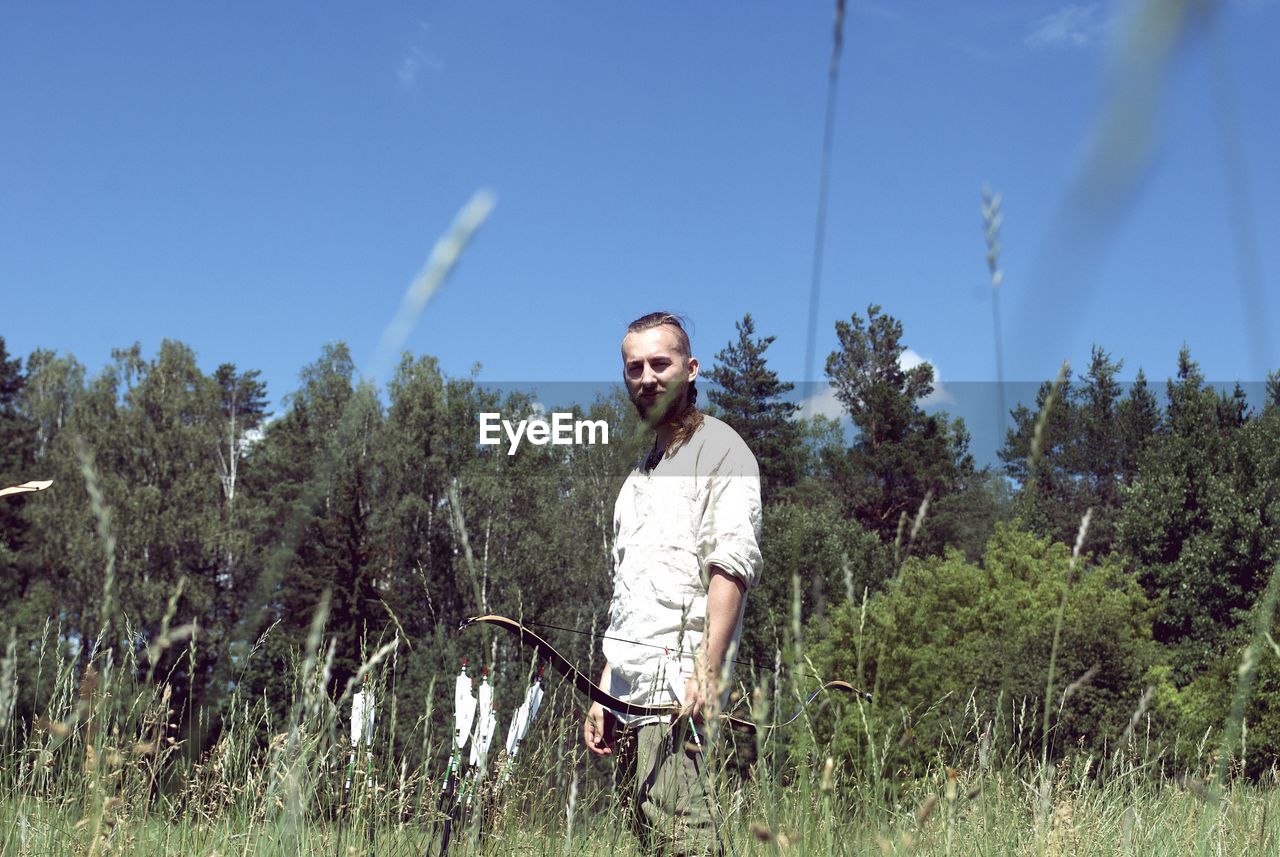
<point>101,772</point>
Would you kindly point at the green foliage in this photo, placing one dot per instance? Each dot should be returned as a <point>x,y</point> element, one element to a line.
<point>418,527</point>
<point>149,432</point>
<point>1191,719</point>
<point>314,469</point>
<point>1201,517</point>
<point>1092,440</point>
<point>966,518</point>
<point>835,561</point>
<point>228,531</point>
<point>17,436</point>
<point>41,594</point>
<point>959,651</point>
<point>19,577</point>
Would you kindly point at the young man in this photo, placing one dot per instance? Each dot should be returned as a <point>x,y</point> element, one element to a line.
<point>686,549</point>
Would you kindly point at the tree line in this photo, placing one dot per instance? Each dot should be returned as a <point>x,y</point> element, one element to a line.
<point>198,533</point>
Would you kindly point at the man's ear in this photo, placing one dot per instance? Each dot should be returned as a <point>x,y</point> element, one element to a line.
<point>693,368</point>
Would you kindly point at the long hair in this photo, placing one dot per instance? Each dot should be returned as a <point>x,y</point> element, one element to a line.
<point>688,418</point>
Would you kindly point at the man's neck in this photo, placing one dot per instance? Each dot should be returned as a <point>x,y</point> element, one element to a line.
<point>670,424</point>
<point>665,432</point>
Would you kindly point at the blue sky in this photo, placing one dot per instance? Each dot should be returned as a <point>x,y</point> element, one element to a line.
<point>258,179</point>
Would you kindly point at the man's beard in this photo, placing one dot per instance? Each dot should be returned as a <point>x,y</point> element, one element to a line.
<point>664,409</point>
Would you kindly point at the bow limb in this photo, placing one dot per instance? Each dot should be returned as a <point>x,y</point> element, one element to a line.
<point>585,684</point>
<point>34,485</point>
<point>561,664</point>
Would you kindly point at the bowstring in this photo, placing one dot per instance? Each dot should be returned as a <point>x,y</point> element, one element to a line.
<point>667,649</point>
<point>742,698</point>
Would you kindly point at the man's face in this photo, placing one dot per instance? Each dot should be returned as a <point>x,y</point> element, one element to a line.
<point>655,372</point>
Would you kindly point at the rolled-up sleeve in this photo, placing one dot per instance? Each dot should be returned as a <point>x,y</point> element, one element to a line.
<point>729,534</point>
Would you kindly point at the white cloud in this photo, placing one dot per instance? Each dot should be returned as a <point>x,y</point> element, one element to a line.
<point>940,395</point>
<point>825,403</point>
<point>413,62</point>
<point>883,11</point>
<point>1076,25</point>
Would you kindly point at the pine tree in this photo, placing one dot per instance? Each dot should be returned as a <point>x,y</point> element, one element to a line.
<point>316,472</point>
<point>1272,391</point>
<point>16,431</point>
<point>749,395</point>
<point>1137,422</point>
<point>1098,451</point>
<point>1090,444</point>
<point>1047,501</point>
<point>901,454</point>
<point>29,595</point>
<point>1199,517</point>
<point>17,436</point>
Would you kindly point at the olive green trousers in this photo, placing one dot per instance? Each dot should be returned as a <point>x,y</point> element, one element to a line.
<point>662,777</point>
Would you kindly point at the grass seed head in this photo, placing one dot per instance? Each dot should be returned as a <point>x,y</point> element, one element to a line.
<point>926,809</point>
<point>56,728</point>
<point>89,683</point>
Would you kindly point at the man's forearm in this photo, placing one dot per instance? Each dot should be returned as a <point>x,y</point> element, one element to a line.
<point>606,678</point>
<point>724,605</point>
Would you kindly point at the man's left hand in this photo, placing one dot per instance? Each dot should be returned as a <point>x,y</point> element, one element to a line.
<point>724,607</point>
<point>700,697</point>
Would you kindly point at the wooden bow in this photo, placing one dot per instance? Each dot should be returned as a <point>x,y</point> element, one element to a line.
<point>585,684</point>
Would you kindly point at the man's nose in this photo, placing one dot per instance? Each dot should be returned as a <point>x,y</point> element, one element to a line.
<point>649,378</point>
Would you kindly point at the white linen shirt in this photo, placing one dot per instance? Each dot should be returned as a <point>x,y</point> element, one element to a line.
<point>699,507</point>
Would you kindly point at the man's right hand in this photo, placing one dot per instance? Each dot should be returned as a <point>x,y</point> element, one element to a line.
<point>597,731</point>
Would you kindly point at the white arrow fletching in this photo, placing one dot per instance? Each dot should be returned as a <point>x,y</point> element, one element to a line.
<point>524,717</point>
<point>484,735</point>
<point>464,709</point>
<point>362,717</point>
<point>488,722</point>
